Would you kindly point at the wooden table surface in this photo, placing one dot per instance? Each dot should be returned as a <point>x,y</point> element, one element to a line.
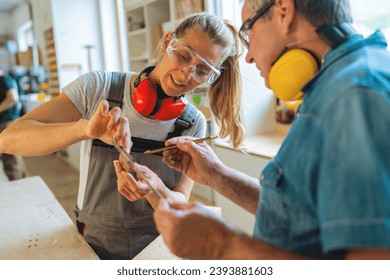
<point>34,226</point>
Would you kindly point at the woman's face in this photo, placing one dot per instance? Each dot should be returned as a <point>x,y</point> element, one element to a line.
<point>186,62</point>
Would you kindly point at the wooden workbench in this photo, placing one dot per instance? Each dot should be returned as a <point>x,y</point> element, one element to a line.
<point>34,226</point>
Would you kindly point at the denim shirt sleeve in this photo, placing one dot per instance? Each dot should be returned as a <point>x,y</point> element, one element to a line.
<point>354,189</point>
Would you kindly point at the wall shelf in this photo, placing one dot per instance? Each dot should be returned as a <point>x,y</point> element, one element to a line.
<point>51,64</point>
<point>144,22</point>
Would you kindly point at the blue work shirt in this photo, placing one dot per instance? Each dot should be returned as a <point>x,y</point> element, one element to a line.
<point>328,188</point>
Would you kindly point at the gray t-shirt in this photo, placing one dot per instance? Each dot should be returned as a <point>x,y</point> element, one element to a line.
<point>86,93</point>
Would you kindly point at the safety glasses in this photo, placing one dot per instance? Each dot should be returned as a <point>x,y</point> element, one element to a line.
<point>246,26</point>
<point>183,56</point>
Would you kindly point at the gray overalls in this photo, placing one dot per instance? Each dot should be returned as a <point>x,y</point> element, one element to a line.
<point>113,226</point>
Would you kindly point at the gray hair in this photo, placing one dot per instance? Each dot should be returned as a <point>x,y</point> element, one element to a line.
<point>316,12</point>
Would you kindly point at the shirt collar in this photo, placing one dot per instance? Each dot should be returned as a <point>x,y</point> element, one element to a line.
<point>377,38</point>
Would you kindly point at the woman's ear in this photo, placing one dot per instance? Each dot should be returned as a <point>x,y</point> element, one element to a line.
<point>167,37</point>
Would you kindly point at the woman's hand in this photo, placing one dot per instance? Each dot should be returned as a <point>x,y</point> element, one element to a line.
<point>134,189</point>
<point>128,186</point>
<point>108,125</point>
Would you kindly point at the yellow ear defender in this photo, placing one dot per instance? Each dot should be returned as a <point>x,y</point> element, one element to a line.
<point>291,71</point>
<point>295,67</point>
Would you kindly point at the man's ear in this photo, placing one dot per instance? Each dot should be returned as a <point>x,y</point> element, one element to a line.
<point>286,14</point>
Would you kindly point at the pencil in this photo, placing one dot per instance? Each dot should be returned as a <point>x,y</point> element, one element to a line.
<point>174,146</point>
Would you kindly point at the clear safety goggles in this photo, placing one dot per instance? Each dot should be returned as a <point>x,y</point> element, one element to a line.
<point>183,56</point>
<point>245,30</point>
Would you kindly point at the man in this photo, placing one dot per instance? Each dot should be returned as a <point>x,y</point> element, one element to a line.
<point>325,195</point>
<point>13,166</point>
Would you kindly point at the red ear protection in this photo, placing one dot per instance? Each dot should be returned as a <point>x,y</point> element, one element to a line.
<point>170,108</point>
<point>151,101</point>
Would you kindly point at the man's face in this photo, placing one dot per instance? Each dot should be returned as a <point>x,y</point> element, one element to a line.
<point>264,42</point>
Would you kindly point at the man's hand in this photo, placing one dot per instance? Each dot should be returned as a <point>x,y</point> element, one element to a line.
<point>192,231</point>
<point>197,161</point>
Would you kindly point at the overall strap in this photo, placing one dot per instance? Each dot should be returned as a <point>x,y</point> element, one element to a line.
<point>114,98</point>
<point>185,121</point>
<point>115,94</point>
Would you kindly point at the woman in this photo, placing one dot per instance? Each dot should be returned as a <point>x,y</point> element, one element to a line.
<point>203,49</point>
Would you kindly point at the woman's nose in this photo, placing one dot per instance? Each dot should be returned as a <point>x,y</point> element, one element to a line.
<point>188,71</point>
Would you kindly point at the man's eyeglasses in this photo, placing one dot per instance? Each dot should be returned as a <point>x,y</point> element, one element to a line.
<point>182,56</point>
<point>245,28</point>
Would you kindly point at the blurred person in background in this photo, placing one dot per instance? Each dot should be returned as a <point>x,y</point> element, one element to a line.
<point>13,165</point>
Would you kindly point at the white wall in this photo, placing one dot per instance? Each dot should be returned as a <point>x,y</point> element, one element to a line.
<point>76,24</point>
<point>110,36</point>
<point>249,164</point>
<point>9,24</point>
<point>20,16</point>
<point>10,21</point>
<point>6,25</point>
<point>258,102</point>
<point>42,21</point>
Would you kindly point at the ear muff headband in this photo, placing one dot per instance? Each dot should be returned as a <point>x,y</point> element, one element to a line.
<point>151,101</point>
<point>290,73</point>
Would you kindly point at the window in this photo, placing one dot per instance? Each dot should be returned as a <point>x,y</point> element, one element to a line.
<point>25,36</point>
<point>372,16</point>
<point>258,102</point>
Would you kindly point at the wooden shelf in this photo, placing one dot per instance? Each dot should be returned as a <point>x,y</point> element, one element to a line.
<point>145,20</point>
<point>51,64</point>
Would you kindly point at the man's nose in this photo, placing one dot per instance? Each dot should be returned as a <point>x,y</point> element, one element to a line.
<point>248,58</point>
